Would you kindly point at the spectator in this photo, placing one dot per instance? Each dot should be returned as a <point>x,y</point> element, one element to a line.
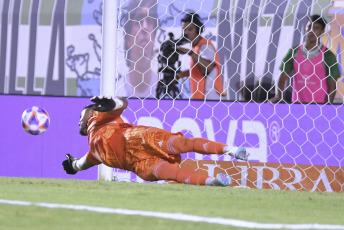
<point>205,70</point>
<point>314,67</point>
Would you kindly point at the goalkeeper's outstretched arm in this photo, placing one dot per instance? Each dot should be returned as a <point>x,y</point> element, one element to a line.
<point>72,165</point>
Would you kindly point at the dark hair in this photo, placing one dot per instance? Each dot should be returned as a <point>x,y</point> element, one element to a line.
<point>88,106</point>
<point>195,19</point>
<point>318,19</point>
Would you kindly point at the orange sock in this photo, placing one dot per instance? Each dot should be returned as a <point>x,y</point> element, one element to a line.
<point>177,145</point>
<point>167,171</point>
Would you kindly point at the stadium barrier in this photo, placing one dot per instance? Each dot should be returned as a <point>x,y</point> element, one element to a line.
<point>308,156</point>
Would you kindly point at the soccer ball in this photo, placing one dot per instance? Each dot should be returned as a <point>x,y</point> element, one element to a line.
<point>35,120</point>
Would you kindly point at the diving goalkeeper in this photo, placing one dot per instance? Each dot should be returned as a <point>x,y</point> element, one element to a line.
<point>151,153</point>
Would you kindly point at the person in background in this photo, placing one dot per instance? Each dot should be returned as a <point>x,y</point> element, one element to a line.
<point>312,67</point>
<point>140,26</point>
<point>205,69</point>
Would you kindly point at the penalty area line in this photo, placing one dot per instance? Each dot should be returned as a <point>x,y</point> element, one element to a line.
<point>175,216</point>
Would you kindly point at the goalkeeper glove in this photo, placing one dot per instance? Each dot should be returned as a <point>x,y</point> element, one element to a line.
<point>103,104</point>
<point>68,164</point>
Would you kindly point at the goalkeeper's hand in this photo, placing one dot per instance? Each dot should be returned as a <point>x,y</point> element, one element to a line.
<point>103,104</point>
<point>68,164</point>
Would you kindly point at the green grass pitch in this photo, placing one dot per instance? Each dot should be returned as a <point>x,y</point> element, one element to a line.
<point>262,206</point>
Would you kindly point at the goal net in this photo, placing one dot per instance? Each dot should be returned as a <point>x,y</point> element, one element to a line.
<point>293,145</point>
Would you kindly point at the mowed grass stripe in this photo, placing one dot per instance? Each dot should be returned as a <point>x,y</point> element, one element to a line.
<point>176,216</point>
<point>251,205</point>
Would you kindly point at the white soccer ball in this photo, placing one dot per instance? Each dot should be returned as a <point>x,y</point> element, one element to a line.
<point>35,120</point>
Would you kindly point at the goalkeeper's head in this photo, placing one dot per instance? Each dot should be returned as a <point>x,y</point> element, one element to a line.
<point>86,114</point>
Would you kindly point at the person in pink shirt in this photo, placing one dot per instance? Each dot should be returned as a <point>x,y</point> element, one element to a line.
<point>312,67</point>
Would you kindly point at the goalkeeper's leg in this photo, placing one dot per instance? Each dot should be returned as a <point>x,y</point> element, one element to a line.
<point>166,171</point>
<point>178,145</point>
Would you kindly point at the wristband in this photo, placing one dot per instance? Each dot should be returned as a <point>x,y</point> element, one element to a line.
<point>75,166</point>
<point>119,103</point>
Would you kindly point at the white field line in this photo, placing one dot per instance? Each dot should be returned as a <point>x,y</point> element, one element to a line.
<point>176,216</point>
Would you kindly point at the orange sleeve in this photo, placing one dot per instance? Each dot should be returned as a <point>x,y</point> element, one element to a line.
<point>92,159</point>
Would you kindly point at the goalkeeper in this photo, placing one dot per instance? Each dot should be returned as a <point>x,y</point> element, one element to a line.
<point>152,153</point>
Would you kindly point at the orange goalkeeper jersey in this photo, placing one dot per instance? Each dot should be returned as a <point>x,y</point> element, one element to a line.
<point>125,146</point>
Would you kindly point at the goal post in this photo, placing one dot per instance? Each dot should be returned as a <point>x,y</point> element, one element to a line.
<point>108,64</point>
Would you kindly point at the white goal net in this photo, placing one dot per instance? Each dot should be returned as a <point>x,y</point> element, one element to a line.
<point>293,145</point>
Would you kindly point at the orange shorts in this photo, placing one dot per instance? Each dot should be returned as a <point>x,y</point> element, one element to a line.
<point>145,147</point>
